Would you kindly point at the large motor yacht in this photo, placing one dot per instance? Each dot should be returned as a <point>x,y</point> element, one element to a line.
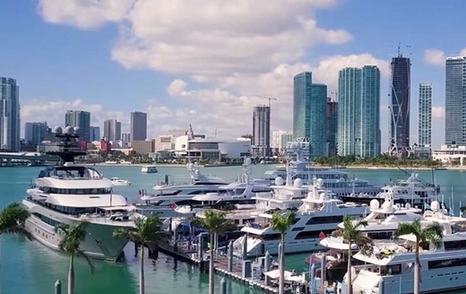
<point>390,267</point>
<point>317,216</point>
<point>69,193</point>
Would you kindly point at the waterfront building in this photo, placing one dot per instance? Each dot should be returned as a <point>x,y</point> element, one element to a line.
<point>138,126</point>
<point>455,100</point>
<point>332,126</point>
<point>112,130</point>
<point>9,114</point>
<point>450,153</point>
<point>125,139</point>
<point>35,132</point>
<point>425,114</point>
<point>82,120</point>
<point>309,112</point>
<point>95,133</point>
<point>143,147</point>
<point>280,139</point>
<point>261,131</point>
<point>358,111</point>
<point>400,88</point>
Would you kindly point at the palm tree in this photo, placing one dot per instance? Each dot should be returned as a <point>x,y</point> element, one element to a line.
<point>147,232</point>
<point>215,222</point>
<point>12,220</point>
<point>281,223</point>
<point>432,234</point>
<point>72,236</point>
<point>351,234</point>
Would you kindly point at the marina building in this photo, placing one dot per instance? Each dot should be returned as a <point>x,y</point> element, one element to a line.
<point>309,113</point>
<point>400,88</point>
<point>450,153</point>
<point>261,131</point>
<point>358,112</point>
<point>35,132</point>
<point>112,130</point>
<point>425,114</point>
<point>138,126</point>
<point>455,100</point>
<point>9,114</point>
<point>82,120</point>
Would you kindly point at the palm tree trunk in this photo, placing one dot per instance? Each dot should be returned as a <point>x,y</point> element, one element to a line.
<point>281,286</point>
<point>71,275</point>
<point>141,271</point>
<point>417,272</point>
<point>211,264</point>
<point>348,271</point>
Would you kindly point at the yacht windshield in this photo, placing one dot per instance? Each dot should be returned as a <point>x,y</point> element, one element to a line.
<point>71,172</point>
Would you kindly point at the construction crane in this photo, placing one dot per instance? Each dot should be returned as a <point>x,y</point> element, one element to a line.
<point>267,97</point>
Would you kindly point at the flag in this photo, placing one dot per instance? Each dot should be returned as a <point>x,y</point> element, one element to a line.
<point>173,205</point>
<point>322,235</point>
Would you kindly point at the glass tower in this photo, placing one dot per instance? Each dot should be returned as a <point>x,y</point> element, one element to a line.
<point>112,130</point>
<point>309,113</point>
<point>358,111</point>
<point>455,100</point>
<point>425,114</point>
<point>138,126</point>
<point>261,130</point>
<point>81,119</point>
<point>9,114</point>
<point>35,132</point>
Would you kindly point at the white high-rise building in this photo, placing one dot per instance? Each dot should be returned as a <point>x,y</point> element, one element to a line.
<point>112,130</point>
<point>281,138</point>
<point>9,114</point>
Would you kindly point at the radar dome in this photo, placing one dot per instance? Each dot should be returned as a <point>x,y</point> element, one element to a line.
<point>374,204</point>
<point>386,205</point>
<point>435,206</point>
<point>58,130</point>
<point>68,130</point>
<point>278,181</point>
<point>247,161</point>
<point>75,129</point>
<point>408,205</point>
<point>298,183</point>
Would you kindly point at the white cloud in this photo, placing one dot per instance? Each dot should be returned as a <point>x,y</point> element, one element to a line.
<point>177,87</point>
<point>84,14</point>
<point>435,57</point>
<point>463,52</point>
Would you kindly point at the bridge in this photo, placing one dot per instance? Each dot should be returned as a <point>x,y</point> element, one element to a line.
<point>25,158</point>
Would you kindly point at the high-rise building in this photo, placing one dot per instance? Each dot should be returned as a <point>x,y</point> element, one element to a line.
<point>400,88</point>
<point>280,139</point>
<point>455,100</point>
<point>82,120</point>
<point>125,139</point>
<point>358,111</point>
<point>332,126</point>
<point>309,113</point>
<point>370,112</point>
<point>9,114</point>
<point>138,125</point>
<point>35,132</point>
<point>425,114</point>
<point>112,130</point>
<point>261,130</point>
<point>95,133</point>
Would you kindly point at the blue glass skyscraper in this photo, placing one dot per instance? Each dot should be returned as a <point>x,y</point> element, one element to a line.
<point>455,100</point>
<point>9,114</point>
<point>309,113</point>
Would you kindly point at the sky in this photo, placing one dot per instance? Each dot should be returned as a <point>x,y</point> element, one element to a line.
<point>208,62</point>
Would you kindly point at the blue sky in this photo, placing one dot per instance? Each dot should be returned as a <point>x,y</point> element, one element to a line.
<point>201,61</point>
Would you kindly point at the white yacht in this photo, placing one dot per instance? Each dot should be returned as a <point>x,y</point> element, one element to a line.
<point>119,182</point>
<point>70,193</point>
<point>337,181</point>
<point>412,190</point>
<point>389,269</point>
<point>317,216</point>
<point>149,169</point>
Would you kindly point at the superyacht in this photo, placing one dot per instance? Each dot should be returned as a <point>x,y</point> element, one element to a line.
<point>70,193</point>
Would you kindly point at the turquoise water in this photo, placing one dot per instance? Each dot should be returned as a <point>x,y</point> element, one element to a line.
<point>28,267</point>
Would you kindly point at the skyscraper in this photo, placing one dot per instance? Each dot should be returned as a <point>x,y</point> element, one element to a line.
<point>309,112</point>
<point>35,132</point>
<point>400,88</point>
<point>138,125</point>
<point>95,133</point>
<point>425,114</point>
<point>358,111</point>
<point>112,130</point>
<point>455,100</point>
<point>9,114</point>
<point>332,126</point>
<point>370,112</point>
<point>82,120</point>
<point>261,130</point>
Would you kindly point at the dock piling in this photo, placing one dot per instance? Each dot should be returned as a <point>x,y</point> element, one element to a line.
<point>245,247</point>
<point>223,286</point>
<point>266,267</point>
<point>230,256</point>
<point>58,287</point>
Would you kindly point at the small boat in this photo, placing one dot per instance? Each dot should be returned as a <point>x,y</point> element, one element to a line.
<point>149,169</point>
<point>120,182</point>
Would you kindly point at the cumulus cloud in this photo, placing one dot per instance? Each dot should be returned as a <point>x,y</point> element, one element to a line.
<point>463,52</point>
<point>434,57</point>
<point>84,14</point>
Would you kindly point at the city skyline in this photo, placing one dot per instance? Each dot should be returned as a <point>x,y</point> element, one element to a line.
<point>113,80</point>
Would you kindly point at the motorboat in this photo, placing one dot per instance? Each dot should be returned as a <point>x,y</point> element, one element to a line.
<point>149,169</point>
<point>119,182</point>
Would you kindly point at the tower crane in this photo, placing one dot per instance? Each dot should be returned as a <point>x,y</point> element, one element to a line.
<point>267,97</point>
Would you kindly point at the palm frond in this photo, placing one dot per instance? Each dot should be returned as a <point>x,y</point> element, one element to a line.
<point>17,230</point>
<point>406,229</point>
<point>433,234</point>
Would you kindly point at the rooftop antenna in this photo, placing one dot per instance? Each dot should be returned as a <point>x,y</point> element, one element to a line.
<point>399,49</point>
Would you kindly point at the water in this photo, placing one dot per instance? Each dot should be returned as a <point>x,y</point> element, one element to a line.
<point>28,267</point>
